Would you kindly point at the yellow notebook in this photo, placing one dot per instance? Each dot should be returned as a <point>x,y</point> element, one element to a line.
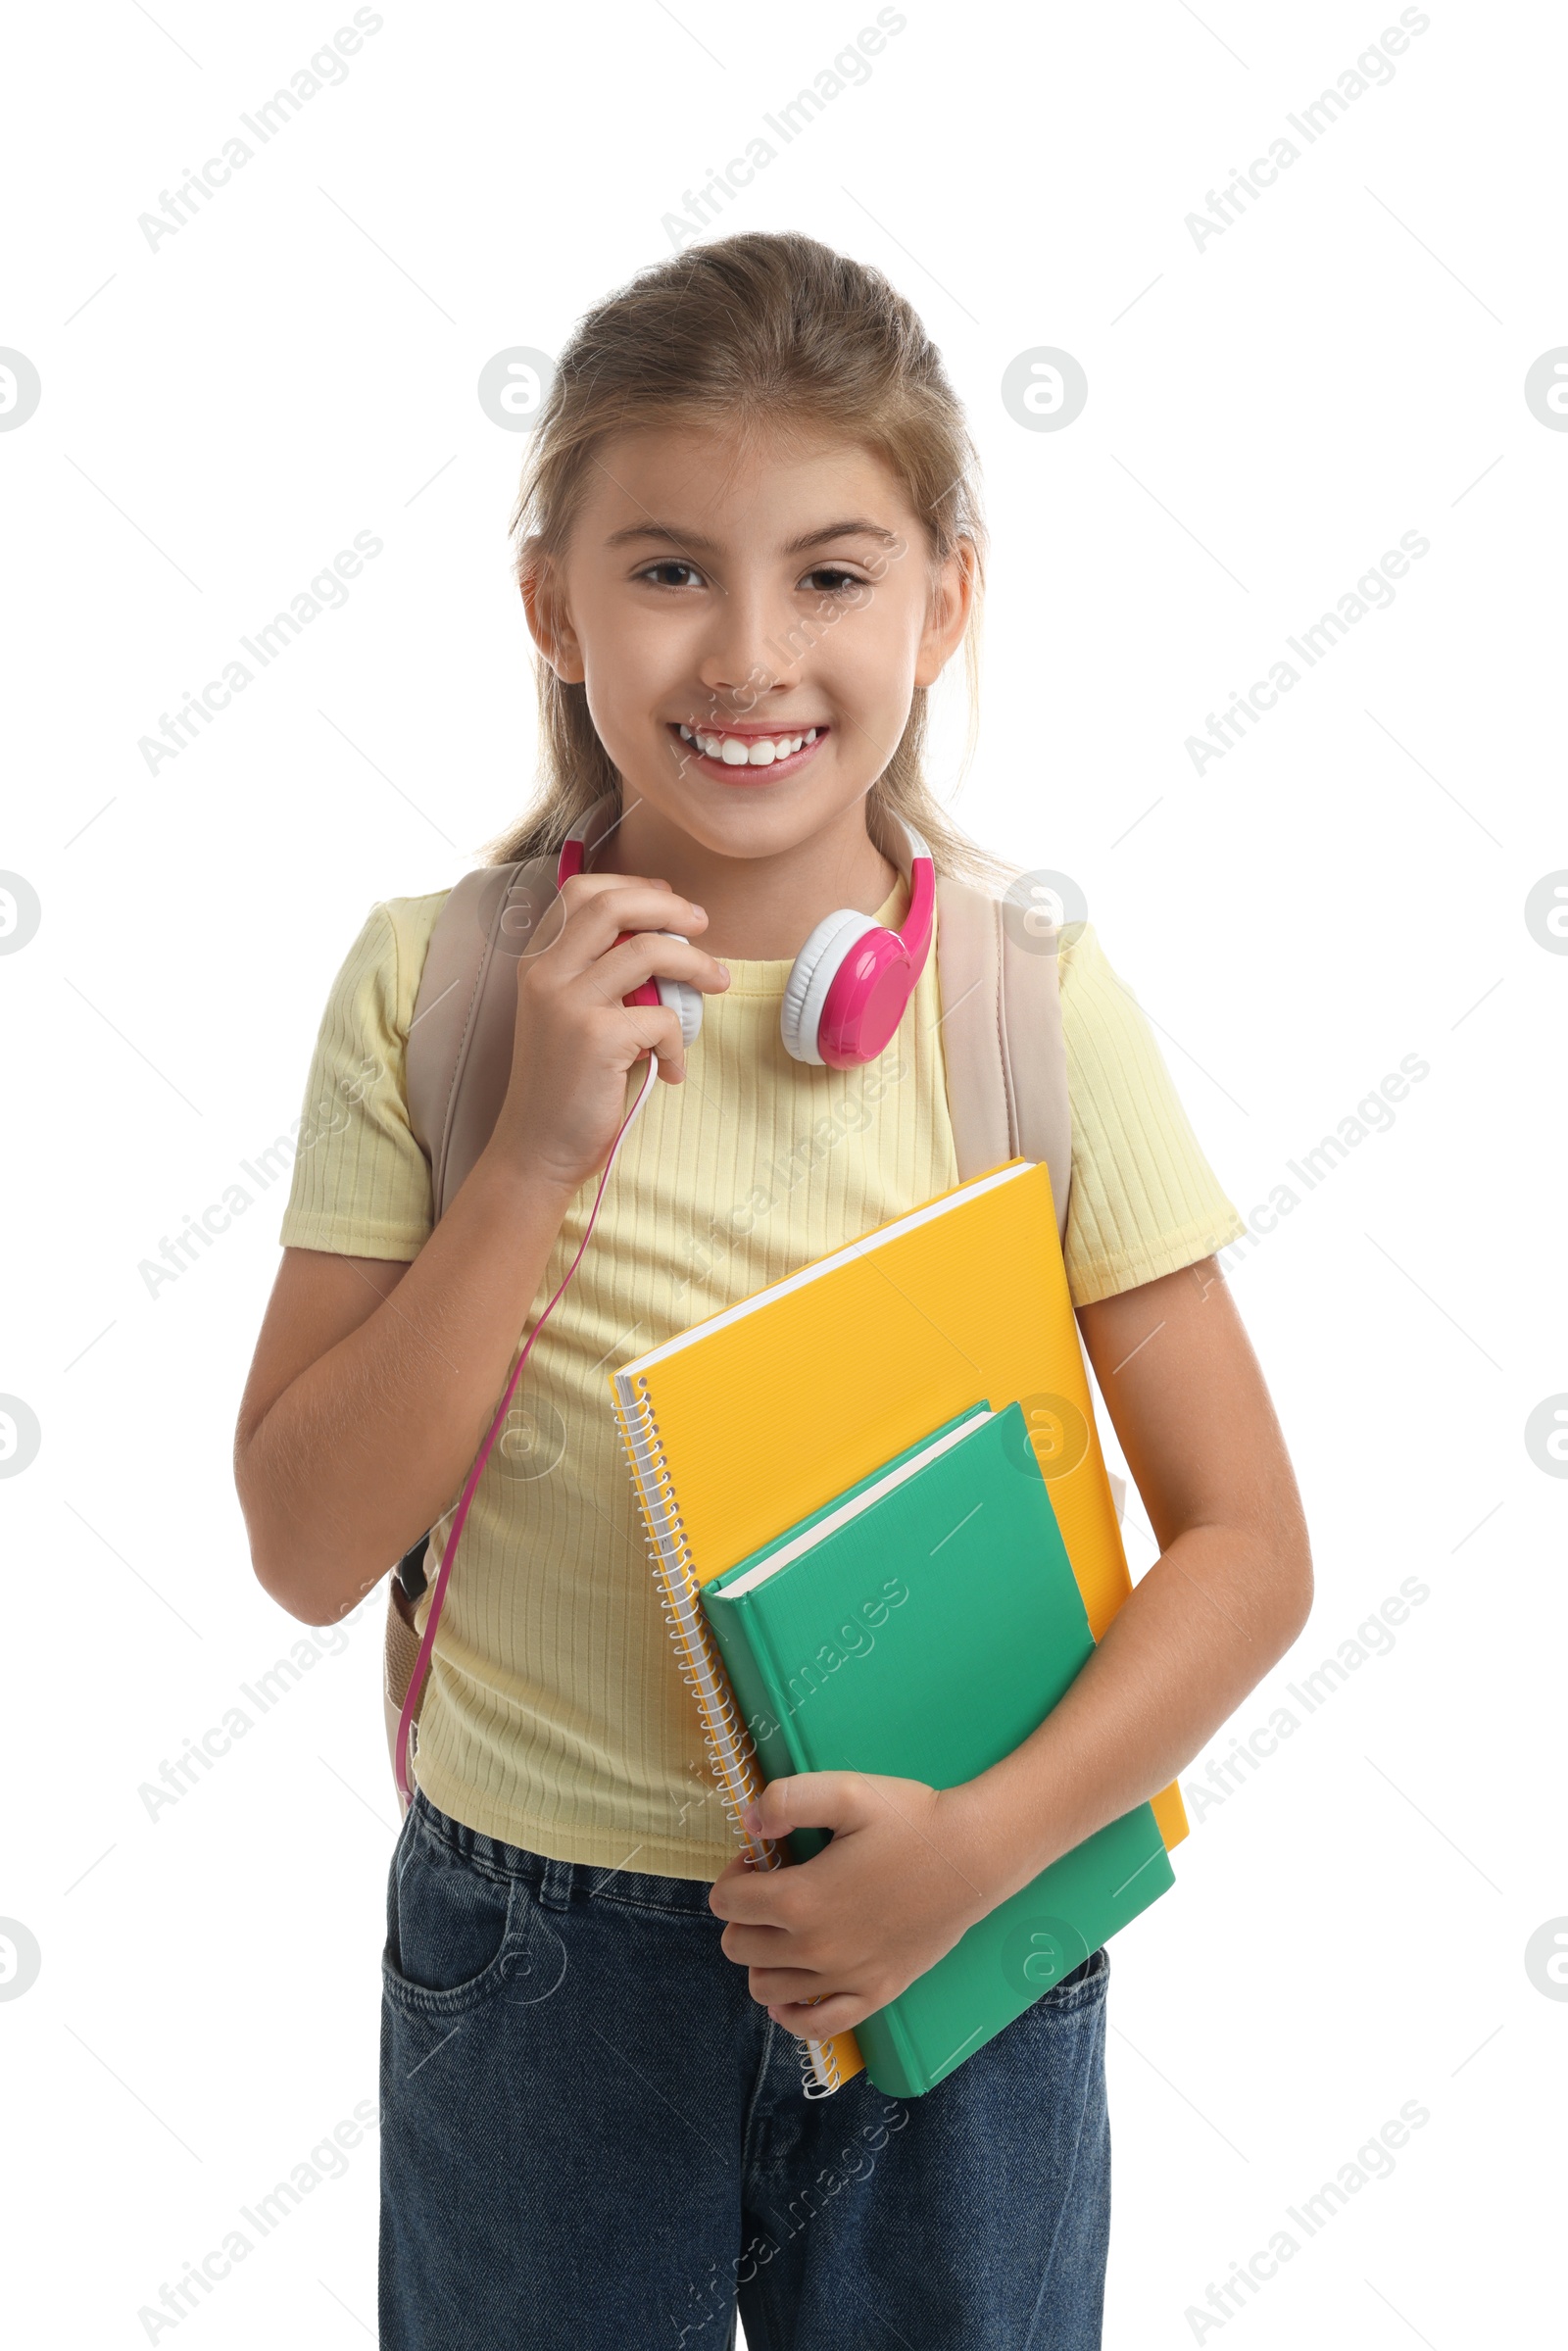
<point>744,1424</point>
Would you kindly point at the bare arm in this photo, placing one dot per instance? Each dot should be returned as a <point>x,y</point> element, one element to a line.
<point>372,1385</point>
<point>1228,1595</point>
<point>373,1381</point>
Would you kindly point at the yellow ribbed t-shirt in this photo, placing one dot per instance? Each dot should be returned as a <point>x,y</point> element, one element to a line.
<point>554,1715</point>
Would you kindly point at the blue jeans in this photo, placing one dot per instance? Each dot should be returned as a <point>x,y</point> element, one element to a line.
<point>594,2140</point>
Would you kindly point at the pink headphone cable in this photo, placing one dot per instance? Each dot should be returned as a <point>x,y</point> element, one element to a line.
<point>406,1720</point>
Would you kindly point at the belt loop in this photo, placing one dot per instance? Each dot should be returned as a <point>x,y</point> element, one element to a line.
<point>556,1881</point>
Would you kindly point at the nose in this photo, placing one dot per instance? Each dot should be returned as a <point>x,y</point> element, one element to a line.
<point>757,648</point>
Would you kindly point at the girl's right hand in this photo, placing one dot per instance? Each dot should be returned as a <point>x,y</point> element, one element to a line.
<point>574,1039</point>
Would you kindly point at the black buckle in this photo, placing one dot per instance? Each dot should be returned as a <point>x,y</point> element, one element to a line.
<point>410,1569</point>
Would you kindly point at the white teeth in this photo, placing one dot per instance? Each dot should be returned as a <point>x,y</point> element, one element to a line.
<point>742,750</point>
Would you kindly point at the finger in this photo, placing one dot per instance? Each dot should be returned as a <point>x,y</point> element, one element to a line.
<point>746,1867</point>
<point>650,1028</point>
<point>758,1897</point>
<point>789,1986</point>
<point>577,891</point>
<point>808,1800</point>
<point>594,918</point>
<point>841,2012</point>
<point>647,954</point>
<point>738,1872</point>
<point>575,925</point>
<point>771,1948</point>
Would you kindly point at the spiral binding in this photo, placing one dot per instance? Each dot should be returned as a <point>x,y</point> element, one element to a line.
<point>731,1749</point>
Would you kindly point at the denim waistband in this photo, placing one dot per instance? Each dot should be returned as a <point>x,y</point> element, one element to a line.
<point>554,1880</point>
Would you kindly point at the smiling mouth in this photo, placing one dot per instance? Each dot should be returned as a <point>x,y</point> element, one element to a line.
<point>719,751</point>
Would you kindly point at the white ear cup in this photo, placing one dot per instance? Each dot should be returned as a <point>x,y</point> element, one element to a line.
<point>815,970</point>
<point>680,997</point>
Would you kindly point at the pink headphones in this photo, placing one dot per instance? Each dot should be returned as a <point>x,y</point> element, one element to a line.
<point>848,985</point>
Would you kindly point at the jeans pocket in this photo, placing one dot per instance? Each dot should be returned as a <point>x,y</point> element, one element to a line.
<point>1082,1987</point>
<point>453,1932</point>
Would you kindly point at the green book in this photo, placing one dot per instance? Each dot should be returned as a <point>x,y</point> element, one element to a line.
<point>921,1625</point>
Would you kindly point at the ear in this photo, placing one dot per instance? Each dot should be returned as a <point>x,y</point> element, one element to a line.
<point>548,623</point>
<point>948,613</point>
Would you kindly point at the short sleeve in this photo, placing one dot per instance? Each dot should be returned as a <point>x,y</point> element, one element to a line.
<point>362,1183</point>
<point>1143,1200</point>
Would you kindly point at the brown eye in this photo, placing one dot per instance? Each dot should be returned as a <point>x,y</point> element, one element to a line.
<point>672,564</point>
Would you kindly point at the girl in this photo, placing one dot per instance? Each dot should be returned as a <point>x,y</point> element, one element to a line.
<point>749,543</point>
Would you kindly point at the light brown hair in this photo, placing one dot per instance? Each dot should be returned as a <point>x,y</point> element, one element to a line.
<point>758,329</point>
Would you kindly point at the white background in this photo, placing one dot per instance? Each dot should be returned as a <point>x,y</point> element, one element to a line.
<point>1267,415</point>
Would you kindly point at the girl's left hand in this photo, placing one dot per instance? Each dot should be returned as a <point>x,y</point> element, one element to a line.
<point>900,1882</point>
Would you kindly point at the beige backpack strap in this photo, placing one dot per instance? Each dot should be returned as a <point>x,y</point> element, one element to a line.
<point>1004,1049</point>
<point>456,1073</point>
<point>460,1042</point>
<point>1002,1041</point>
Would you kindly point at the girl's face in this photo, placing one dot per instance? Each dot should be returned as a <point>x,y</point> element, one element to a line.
<point>751,614</point>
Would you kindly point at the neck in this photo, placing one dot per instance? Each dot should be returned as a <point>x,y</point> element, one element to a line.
<point>759,908</point>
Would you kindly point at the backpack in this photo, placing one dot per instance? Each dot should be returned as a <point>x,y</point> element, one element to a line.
<point>1004,1060</point>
